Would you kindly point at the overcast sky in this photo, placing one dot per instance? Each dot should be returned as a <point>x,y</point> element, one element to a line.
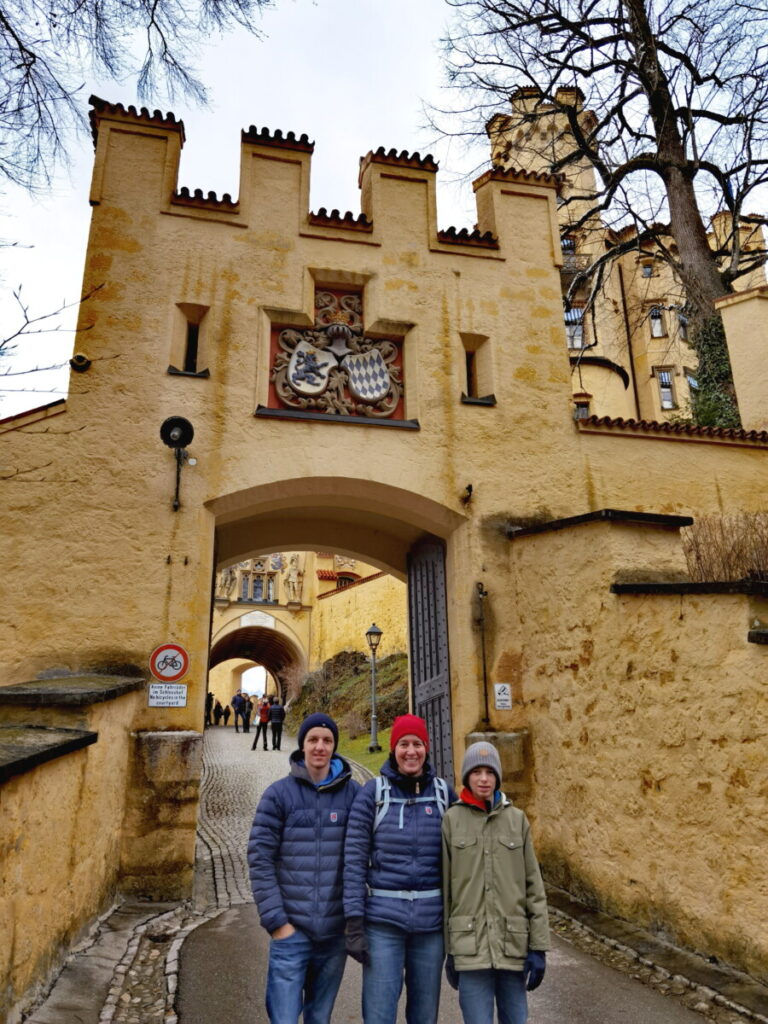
<point>352,74</point>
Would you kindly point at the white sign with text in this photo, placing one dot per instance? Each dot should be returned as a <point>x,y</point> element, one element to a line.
<point>167,695</point>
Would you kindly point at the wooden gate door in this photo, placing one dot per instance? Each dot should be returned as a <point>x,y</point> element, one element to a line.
<point>428,634</point>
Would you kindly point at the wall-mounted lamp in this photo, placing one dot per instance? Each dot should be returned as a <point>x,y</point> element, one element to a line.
<point>177,433</point>
<point>79,362</point>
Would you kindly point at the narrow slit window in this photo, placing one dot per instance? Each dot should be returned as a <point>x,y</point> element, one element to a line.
<point>471,374</point>
<point>478,370</point>
<point>188,348</point>
<point>190,356</point>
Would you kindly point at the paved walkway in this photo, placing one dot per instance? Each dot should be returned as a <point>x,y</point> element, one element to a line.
<point>204,962</point>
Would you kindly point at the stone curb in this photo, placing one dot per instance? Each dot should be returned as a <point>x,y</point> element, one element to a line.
<point>678,965</point>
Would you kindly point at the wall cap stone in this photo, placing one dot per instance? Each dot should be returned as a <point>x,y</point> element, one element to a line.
<point>77,691</point>
<point>24,747</point>
<point>603,515</point>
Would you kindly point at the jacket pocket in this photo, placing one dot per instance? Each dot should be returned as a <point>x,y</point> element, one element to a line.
<point>462,936</point>
<point>515,936</point>
<point>463,842</point>
<point>511,843</point>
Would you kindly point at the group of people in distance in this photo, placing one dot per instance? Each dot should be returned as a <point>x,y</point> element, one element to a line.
<point>402,875</point>
<point>268,711</point>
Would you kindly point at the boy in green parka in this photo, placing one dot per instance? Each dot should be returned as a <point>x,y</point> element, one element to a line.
<point>496,926</point>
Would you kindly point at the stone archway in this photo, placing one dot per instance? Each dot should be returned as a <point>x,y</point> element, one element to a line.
<point>279,655</point>
<point>382,524</point>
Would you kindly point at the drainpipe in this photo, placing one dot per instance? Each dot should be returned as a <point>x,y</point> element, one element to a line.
<point>482,593</point>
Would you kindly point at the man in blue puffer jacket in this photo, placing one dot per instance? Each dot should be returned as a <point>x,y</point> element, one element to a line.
<point>295,856</point>
<point>392,880</point>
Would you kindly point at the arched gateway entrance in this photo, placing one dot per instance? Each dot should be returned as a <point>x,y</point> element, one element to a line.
<point>404,534</point>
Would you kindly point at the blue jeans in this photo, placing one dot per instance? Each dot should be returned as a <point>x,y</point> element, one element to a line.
<point>394,953</point>
<point>478,990</point>
<point>304,976</point>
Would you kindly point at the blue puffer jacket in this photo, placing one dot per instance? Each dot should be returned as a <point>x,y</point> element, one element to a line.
<point>402,854</point>
<point>296,847</point>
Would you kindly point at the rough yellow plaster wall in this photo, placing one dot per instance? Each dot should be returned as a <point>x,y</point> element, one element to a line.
<point>60,836</point>
<point>648,721</point>
<point>340,622</point>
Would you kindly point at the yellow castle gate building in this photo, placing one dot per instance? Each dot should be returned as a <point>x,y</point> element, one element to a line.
<point>309,373</point>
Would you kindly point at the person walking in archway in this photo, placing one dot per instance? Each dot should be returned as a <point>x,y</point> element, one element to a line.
<point>276,719</point>
<point>261,727</point>
<point>295,858</point>
<point>247,712</point>
<point>227,713</point>
<point>218,711</point>
<point>238,706</point>
<point>393,880</point>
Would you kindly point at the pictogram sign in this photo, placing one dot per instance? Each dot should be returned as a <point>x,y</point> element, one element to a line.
<point>168,662</point>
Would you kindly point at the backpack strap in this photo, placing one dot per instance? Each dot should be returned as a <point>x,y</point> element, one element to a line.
<point>382,800</point>
<point>441,789</point>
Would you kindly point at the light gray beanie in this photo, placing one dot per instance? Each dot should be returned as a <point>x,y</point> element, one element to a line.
<point>481,755</point>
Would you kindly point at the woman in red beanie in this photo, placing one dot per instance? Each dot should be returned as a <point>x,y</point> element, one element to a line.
<point>392,880</point>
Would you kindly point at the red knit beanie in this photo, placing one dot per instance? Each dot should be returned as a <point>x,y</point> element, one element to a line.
<point>408,725</point>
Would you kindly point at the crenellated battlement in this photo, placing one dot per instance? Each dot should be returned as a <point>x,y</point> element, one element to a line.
<point>137,165</point>
<point>101,109</point>
<point>263,137</point>
<point>394,159</point>
<point>196,198</point>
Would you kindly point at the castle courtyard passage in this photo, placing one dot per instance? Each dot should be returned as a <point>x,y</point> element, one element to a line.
<point>254,377</point>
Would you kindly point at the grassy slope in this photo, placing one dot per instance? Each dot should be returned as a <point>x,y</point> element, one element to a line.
<point>342,688</point>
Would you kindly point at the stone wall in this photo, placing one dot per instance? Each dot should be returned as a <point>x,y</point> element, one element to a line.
<point>61,831</point>
<point>648,724</point>
<point>341,619</point>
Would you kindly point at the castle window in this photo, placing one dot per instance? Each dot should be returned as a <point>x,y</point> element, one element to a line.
<point>244,593</point>
<point>188,345</point>
<point>345,581</point>
<point>646,269</point>
<point>258,588</point>
<point>193,340</point>
<point>270,588</point>
<point>471,375</point>
<point>692,380</point>
<point>478,369</point>
<point>664,376</point>
<point>682,326</point>
<point>574,328</point>
<point>581,411</point>
<point>658,326</point>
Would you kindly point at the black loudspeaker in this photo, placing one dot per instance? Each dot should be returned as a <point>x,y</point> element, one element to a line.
<point>177,432</point>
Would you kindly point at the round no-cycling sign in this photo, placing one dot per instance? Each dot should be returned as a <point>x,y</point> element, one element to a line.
<point>168,662</point>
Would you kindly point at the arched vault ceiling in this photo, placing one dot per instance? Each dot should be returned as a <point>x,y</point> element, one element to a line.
<point>377,539</point>
<point>265,646</point>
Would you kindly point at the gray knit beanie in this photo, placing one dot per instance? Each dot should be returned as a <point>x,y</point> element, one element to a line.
<point>481,755</point>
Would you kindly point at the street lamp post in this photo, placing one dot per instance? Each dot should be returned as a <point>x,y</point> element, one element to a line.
<point>373,636</point>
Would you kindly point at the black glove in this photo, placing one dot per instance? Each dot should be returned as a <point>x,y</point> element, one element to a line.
<point>451,974</point>
<point>357,944</point>
<point>533,969</point>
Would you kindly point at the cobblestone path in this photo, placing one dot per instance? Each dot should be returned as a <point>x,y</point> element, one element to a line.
<point>234,778</point>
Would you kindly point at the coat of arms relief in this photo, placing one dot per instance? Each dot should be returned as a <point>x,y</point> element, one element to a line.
<point>333,368</point>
